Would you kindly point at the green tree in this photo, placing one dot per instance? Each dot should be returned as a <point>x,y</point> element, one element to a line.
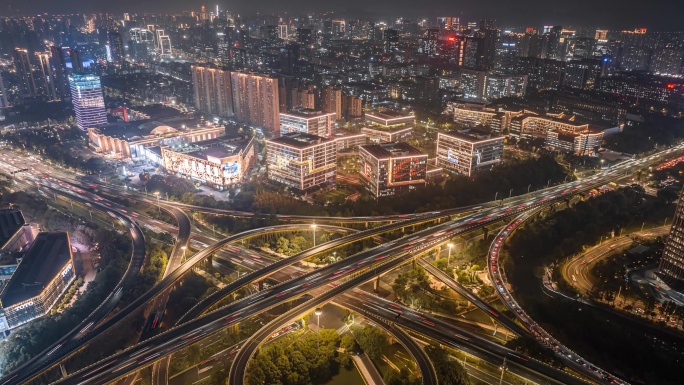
<point>373,341</point>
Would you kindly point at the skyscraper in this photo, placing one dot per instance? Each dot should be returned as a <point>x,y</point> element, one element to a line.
<point>428,44</point>
<point>116,47</point>
<point>25,72</point>
<point>88,100</point>
<point>3,95</point>
<point>391,40</point>
<point>671,267</point>
<point>76,60</point>
<point>59,64</point>
<point>47,76</point>
<point>332,101</point>
<point>213,92</point>
<point>256,100</point>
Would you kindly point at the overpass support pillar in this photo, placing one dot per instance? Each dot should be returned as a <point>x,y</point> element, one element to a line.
<point>366,223</point>
<point>261,285</point>
<point>413,263</point>
<point>485,232</point>
<point>376,284</point>
<point>63,370</point>
<point>209,260</point>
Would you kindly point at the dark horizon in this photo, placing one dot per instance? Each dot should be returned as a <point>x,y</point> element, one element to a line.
<point>662,15</point>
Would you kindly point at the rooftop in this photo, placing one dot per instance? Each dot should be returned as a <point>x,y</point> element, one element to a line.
<point>135,129</point>
<point>11,220</point>
<point>306,113</point>
<point>299,140</point>
<point>389,117</point>
<point>220,148</point>
<point>46,257</point>
<point>395,149</point>
<point>472,135</point>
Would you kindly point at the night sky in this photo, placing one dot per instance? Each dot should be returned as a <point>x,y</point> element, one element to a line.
<point>666,15</point>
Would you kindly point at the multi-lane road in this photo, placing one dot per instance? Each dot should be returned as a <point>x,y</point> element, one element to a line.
<point>265,299</point>
<point>577,271</point>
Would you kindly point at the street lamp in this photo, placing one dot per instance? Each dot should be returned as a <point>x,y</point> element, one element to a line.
<point>450,245</point>
<point>318,312</point>
<point>496,195</point>
<point>314,226</point>
<point>528,188</point>
<point>548,183</point>
<point>158,205</point>
<point>510,193</point>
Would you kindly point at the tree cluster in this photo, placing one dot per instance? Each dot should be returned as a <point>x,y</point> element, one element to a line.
<point>448,371</point>
<point>297,361</point>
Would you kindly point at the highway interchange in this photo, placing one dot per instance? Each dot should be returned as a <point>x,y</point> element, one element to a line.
<point>339,277</point>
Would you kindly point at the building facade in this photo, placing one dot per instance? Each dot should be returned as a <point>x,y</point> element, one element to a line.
<point>213,91</point>
<point>467,152</point>
<point>301,161</point>
<point>671,267</point>
<point>131,142</point>
<point>45,271</point>
<point>256,100</point>
<point>218,163</point>
<point>88,100</point>
<point>392,168</point>
<point>307,121</point>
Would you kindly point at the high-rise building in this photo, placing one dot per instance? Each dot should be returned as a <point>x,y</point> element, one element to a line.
<point>391,168</point>
<point>332,101</point>
<point>213,91</point>
<point>339,28</point>
<point>24,71</point>
<point>61,76</point>
<point>305,37</point>
<point>448,23</point>
<point>47,76</point>
<point>502,86</point>
<point>76,60</point>
<point>116,48</point>
<point>282,31</point>
<point>428,44</point>
<point>352,106</point>
<point>301,161</point>
<point>289,59</point>
<point>671,267</point>
<point>88,100</point>
<point>256,100</point>
<point>668,59</point>
<point>4,103</point>
<point>391,40</point>
<point>271,33</point>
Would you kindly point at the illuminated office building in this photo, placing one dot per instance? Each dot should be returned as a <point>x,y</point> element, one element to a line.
<point>301,161</point>
<point>307,121</point>
<point>468,151</point>
<point>384,127</point>
<point>41,277</point>
<point>671,267</point>
<point>391,168</point>
<point>88,100</point>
